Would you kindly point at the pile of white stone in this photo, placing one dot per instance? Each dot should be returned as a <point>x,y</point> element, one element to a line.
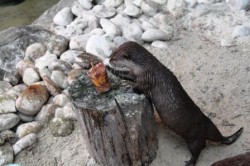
<point>25,108</point>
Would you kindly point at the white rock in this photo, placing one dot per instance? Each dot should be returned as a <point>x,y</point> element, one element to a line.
<point>146,25</point>
<point>99,46</point>
<point>24,142</point>
<point>132,10</point>
<point>6,154</point>
<point>51,86</point>
<point>30,76</point>
<point>239,4</point>
<point>31,100</point>
<point>25,118</point>
<point>109,37</point>
<point>109,27</point>
<point>241,31</point>
<point>45,61</point>
<point>44,72</point>
<point>27,128</point>
<point>16,90</point>
<point>4,86</point>
<point>159,44</point>
<point>7,104</point>
<point>113,3</point>
<point>137,2</point>
<point>79,42</point>
<point>148,9</point>
<point>60,65</point>
<point>103,12</point>
<point>73,74</point>
<point>76,28</point>
<point>8,121</point>
<point>97,31</point>
<point>63,17</point>
<point>86,4</point>
<point>57,45</point>
<point>93,21</point>
<point>154,34</point>
<point>121,20</point>
<point>24,64</point>
<point>160,2</point>
<point>61,100</point>
<point>176,7</point>
<point>59,78</point>
<point>133,32</point>
<point>77,9</point>
<point>35,51</point>
<point>46,113</point>
<point>68,112</point>
<point>69,55</point>
<point>119,40</point>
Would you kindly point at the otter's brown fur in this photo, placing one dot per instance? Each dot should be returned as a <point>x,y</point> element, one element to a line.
<point>239,160</point>
<point>176,109</point>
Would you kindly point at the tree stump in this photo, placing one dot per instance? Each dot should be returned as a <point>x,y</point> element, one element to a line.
<point>117,132</point>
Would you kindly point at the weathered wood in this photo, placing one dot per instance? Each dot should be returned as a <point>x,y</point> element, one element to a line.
<point>116,133</point>
<point>240,160</point>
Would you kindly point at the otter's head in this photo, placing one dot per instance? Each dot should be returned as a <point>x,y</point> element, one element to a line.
<point>129,60</point>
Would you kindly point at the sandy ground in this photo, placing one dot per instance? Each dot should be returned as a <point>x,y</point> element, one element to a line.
<point>217,79</point>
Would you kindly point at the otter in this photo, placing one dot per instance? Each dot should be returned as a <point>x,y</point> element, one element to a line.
<point>242,160</point>
<point>177,110</point>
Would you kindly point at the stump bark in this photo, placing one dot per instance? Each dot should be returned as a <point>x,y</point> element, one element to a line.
<point>118,127</point>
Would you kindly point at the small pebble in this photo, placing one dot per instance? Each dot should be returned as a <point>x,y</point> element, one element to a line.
<point>61,100</point>
<point>51,86</point>
<point>61,65</point>
<point>25,118</point>
<point>57,45</point>
<point>22,65</point>
<point>61,127</point>
<point>154,34</point>
<point>148,9</point>
<point>46,113</point>
<point>69,56</point>
<point>132,10</point>
<point>35,51</point>
<point>30,76</point>
<point>63,17</point>
<point>27,128</point>
<point>109,27</point>
<point>8,121</point>
<point>45,61</point>
<point>103,12</point>
<point>59,78</point>
<point>99,46</point>
<point>160,44</point>
<point>31,100</point>
<point>85,4</point>
<point>24,142</point>
<point>79,42</point>
<point>113,3</point>
<point>68,112</point>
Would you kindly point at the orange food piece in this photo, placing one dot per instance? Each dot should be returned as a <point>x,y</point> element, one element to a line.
<point>99,78</point>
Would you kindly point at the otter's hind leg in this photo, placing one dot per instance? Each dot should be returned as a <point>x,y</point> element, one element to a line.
<point>195,147</point>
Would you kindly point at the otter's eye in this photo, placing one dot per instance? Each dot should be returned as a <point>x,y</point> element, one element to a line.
<point>126,56</point>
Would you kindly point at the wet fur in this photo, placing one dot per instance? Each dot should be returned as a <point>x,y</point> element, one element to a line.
<point>177,110</point>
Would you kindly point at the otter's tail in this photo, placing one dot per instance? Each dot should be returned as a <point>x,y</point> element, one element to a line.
<point>231,139</point>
